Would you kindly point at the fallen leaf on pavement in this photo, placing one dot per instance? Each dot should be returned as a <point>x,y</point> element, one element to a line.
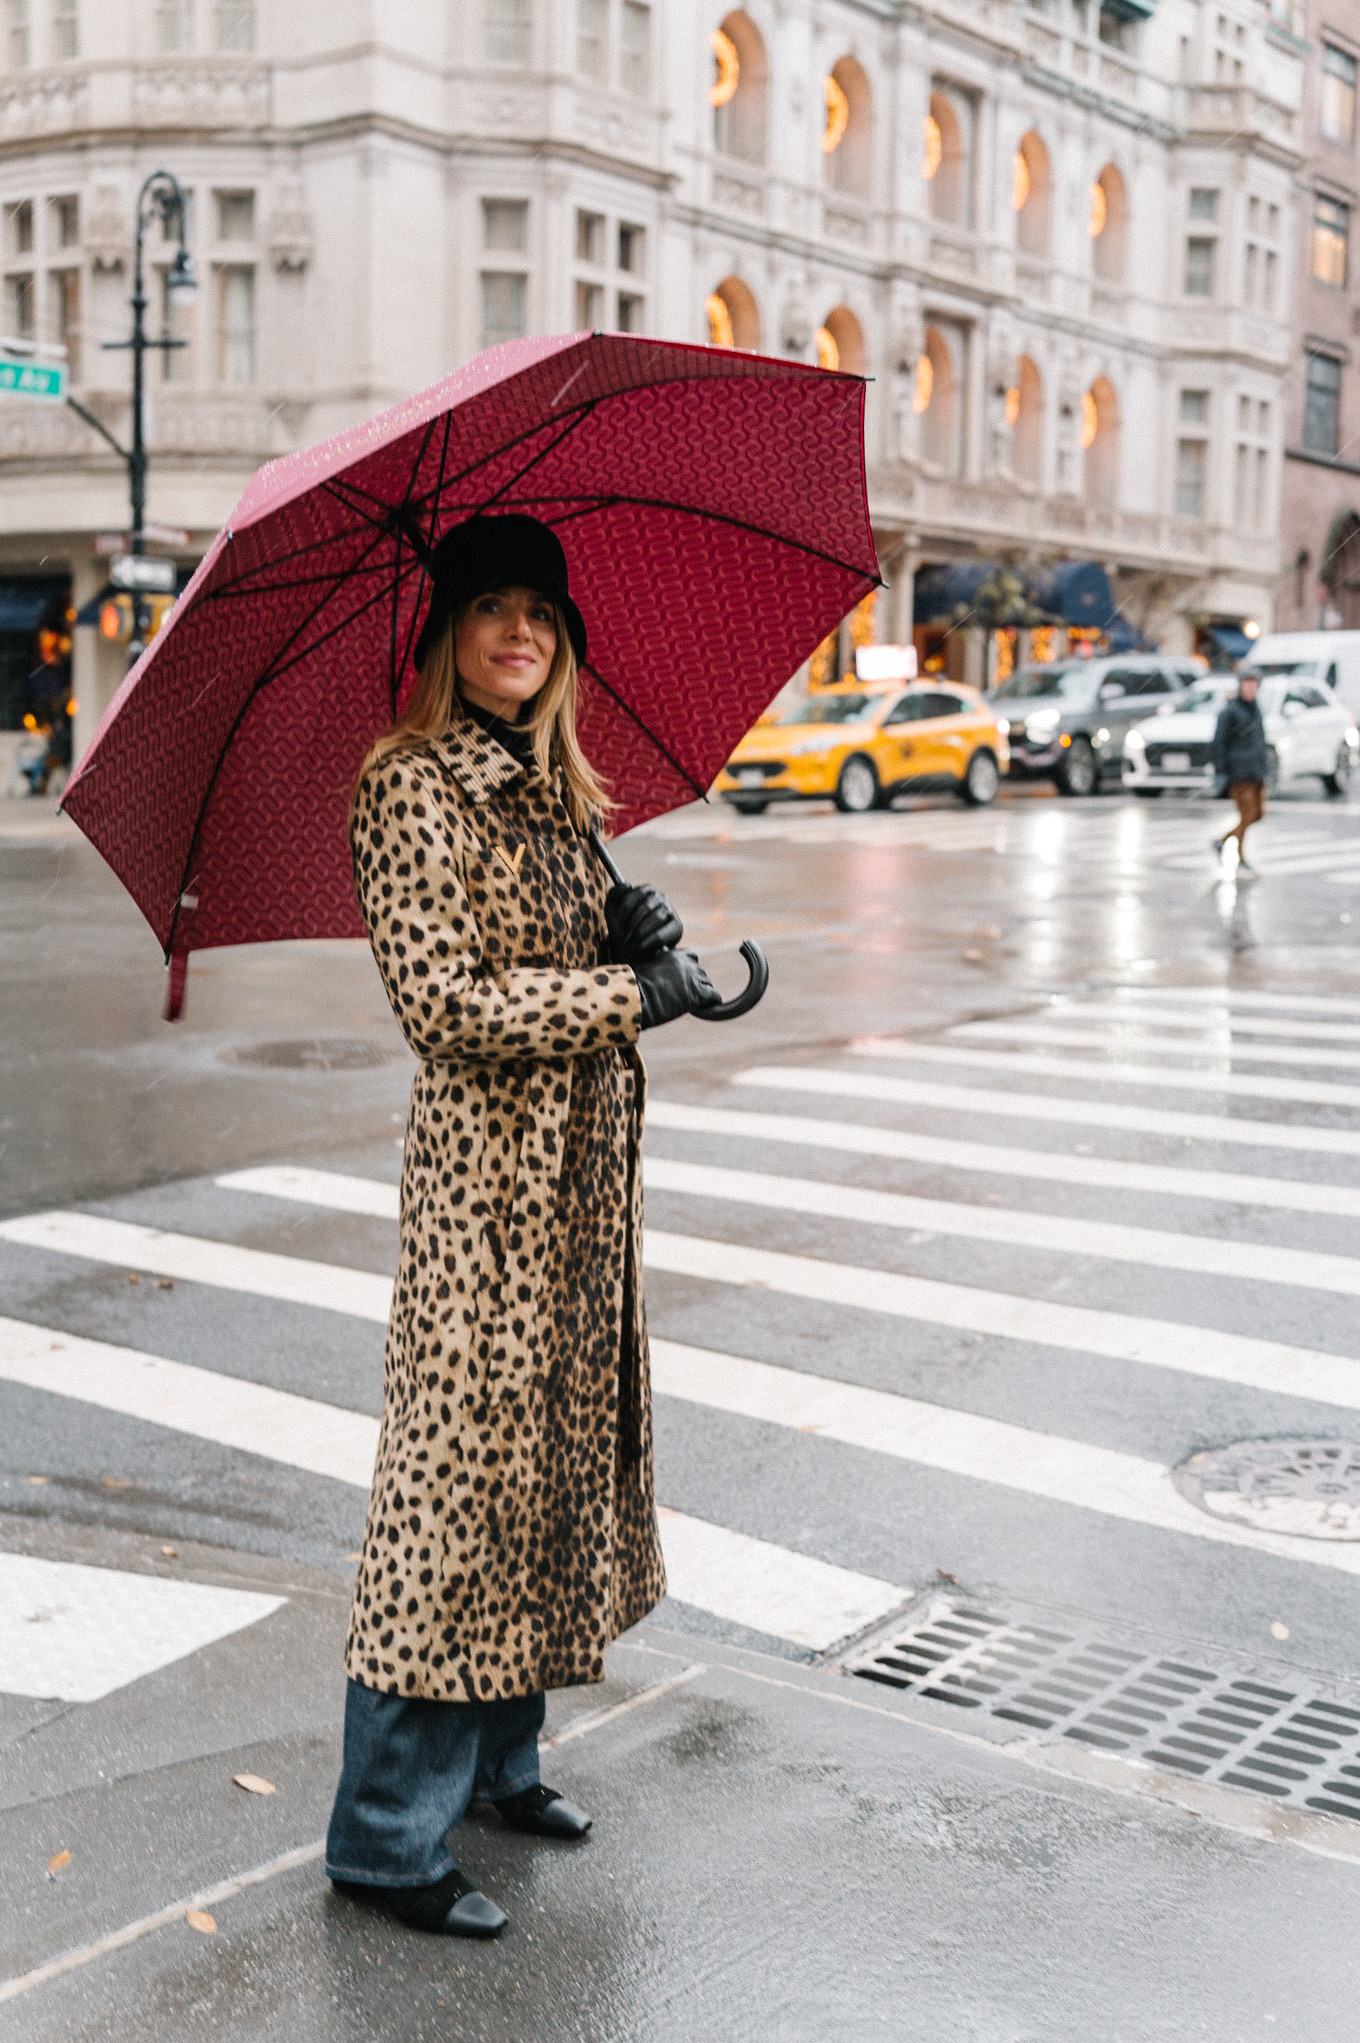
<point>133,1278</point>
<point>115,1482</point>
<point>199,1919</point>
<point>945,1575</point>
<point>35,1480</point>
<point>165,1283</point>
<point>1278,1630</point>
<point>57,1861</point>
<point>254,1784</point>
<point>171,1552</point>
<point>973,957</point>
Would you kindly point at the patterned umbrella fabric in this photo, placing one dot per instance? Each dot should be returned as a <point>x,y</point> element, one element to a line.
<point>713,510</point>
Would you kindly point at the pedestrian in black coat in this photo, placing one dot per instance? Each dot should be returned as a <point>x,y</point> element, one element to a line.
<point>1241,761</point>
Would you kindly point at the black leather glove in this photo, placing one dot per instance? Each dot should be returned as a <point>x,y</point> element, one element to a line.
<point>673,984</point>
<point>642,924</point>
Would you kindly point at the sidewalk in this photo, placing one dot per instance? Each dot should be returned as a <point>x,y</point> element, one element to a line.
<point>781,1853</point>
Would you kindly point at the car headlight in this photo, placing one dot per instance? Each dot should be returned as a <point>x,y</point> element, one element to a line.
<point>1135,742</point>
<point>1042,725</point>
<point>1003,727</point>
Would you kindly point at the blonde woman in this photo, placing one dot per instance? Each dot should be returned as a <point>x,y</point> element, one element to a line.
<point>512,1527</point>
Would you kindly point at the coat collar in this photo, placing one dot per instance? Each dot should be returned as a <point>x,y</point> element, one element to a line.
<point>479,765</point>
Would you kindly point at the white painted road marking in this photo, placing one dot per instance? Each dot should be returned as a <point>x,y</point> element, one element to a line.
<point>76,1633</point>
<point>1038,1106</point>
<point>1048,1166</point>
<point>1261,1003</point>
<point>1057,1234</point>
<point>324,1439</point>
<point>1199,1351</point>
<point>768,1588</point>
<point>1133,1037</point>
<point>1212,1024</point>
<point>1305,1092</point>
<point>319,1188</point>
<point>987,1450</point>
<point>154,1249</point>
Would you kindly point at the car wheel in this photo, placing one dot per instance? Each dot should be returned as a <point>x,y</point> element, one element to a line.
<point>1078,774</point>
<point>857,788</point>
<point>748,805</point>
<point>982,779</point>
<point>1272,769</point>
<point>1338,781</point>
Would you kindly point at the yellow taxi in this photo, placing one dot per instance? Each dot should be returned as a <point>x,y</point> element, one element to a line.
<point>860,747</point>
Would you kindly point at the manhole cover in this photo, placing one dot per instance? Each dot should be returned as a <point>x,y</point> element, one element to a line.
<point>1310,1488</point>
<point>314,1053</point>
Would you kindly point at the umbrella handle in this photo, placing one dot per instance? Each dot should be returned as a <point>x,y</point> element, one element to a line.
<point>756,966</point>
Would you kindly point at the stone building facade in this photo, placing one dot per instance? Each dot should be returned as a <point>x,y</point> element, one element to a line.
<point>1320,503</point>
<point>1056,234</point>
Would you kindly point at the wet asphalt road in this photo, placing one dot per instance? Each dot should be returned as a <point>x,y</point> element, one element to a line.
<point>768,1863</point>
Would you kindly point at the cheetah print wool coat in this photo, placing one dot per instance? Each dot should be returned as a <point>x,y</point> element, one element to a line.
<point>511,1528</point>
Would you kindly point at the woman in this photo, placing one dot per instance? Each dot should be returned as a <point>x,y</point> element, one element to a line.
<point>511,1527</point>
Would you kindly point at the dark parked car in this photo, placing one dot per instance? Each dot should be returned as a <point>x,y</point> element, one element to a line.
<point>1068,721</point>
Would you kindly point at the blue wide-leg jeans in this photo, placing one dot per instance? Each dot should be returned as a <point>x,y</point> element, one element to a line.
<point>411,1770</point>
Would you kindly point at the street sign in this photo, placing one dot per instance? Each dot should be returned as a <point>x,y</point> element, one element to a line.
<point>165,535</point>
<point>140,571</point>
<point>34,379</point>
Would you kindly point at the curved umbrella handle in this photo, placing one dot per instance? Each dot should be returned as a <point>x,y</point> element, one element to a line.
<point>756,966</point>
<point>751,992</point>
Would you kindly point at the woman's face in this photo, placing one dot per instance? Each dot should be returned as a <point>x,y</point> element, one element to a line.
<point>503,646</point>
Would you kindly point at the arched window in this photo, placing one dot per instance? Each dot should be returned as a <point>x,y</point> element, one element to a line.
<point>946,152</point>
<point>733,316</point>
<point>1031,194</point>
<point>1109,225</point>
<point>937,401</point>
<point>737,93</point>
<point>1027,426</point>
<point>840,342</point>
<point>1100,438</point>
<point>847,138</point>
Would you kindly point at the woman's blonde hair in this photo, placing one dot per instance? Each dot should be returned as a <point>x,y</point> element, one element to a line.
<point>436,708</point>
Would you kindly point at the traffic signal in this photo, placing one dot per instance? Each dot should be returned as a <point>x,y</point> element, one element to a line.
<point>116,617</point>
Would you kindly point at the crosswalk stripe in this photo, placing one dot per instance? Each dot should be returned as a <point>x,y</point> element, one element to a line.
<point>1231,1000</point>
<point>333,1188</point>
<point>289,1278</point>
<point>1037,1106</point>
<point>1212,1023</point>
<point>324,1439</point>
<point>1053,1234</point>
<point>1047,1166</point>
<point>1101,1479</point>
<point>1304,1092</point>
<point>747,1581</point>
<point>1198,1351</point>
<point>769,1588</point>
<point>1132,1037</point>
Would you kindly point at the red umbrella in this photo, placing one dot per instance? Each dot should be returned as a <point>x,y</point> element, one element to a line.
<point>713,510</point>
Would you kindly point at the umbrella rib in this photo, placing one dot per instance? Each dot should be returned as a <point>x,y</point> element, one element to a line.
<point>646,730</point>
<point>438,489</point>
<point>270,674</point>
<point>606,503</point>
<point>396,578</point>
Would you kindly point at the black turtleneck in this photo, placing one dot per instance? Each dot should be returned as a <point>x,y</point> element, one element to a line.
<point>517,739</point>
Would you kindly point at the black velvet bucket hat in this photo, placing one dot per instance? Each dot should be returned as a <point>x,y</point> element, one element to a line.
<point>507,552</point>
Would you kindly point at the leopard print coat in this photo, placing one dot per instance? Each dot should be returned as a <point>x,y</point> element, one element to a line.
<point>512,1527</point>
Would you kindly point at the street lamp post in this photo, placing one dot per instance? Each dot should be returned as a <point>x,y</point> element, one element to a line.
<point>161,196</point>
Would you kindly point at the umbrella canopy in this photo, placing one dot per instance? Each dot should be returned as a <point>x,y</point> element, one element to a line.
<point>713,511</point>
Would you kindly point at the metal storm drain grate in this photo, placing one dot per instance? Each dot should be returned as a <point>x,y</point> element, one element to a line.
<point>314,1053</point>
<point>1310,1488</point>
<point>1272,1733</point>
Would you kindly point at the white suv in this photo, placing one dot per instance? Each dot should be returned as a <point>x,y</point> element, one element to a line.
<point>1308,731</point>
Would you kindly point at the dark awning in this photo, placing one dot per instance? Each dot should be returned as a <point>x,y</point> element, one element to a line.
<point>23,600</point>
<point>1123,637</point>
<point>1077,592</point>
<point>1228,640</point>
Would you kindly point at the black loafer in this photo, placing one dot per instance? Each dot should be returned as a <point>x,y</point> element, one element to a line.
<point>541,1812</point>
<point>449,1908</point>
